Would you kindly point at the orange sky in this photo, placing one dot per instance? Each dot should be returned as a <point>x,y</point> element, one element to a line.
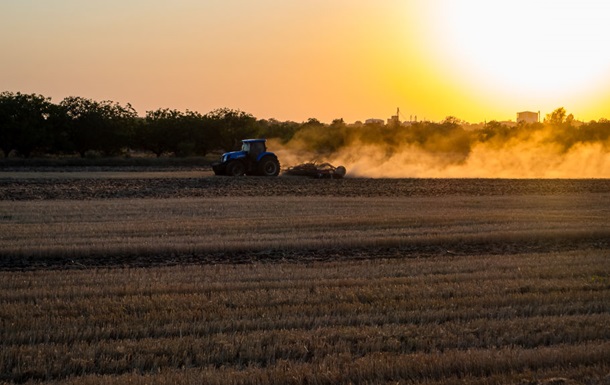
<point>291,60</point>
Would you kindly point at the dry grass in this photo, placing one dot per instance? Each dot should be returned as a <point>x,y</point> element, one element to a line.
<point>469,319</point>
<point>475,318</point>
<point>200,225</point>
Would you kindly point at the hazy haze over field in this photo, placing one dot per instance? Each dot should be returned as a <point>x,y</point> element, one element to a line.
<point>517,160</point>
<point>535,155</point>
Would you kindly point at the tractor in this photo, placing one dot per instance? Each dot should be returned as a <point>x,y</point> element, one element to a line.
<point>252,159</point>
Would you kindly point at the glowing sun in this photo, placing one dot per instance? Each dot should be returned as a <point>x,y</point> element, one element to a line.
<point>538,48</point>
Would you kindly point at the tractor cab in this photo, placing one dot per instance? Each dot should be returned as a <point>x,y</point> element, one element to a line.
<point>253,147</point>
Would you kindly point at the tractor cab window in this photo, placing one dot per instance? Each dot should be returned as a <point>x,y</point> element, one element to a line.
<point>254,149</point>
<point>257,148</point>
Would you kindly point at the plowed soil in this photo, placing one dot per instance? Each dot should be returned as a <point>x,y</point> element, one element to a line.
<point>20,187</point>
<point>124,186</point>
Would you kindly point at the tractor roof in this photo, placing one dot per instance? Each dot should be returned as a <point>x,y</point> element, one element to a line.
<point>254,140</point>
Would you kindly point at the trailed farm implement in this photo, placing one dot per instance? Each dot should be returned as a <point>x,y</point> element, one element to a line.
<point>317,170</point>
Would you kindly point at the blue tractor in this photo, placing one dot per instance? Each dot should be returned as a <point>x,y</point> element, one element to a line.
<point>252,159</point>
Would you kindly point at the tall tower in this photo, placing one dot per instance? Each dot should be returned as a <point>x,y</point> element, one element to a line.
<point>395,119</point>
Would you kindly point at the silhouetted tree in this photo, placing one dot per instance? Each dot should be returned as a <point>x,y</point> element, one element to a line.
<point>101,126</point>
<point>556,117</point>
<point>562,130</point>
<point>596,132</point>
<point>313,122</point>
<point>375,133</point>
<point>448,137</point>
<point>230,127</point>
<point>338,123</point>
<point>452,121</point>
<point>494,131</point>
<point>23,122</point>
<point>199,133</point>
<point>319,137</point>
<point>338,135</point>
<point>159,132</point>
<point>273,128</point>
<point>59,129</point>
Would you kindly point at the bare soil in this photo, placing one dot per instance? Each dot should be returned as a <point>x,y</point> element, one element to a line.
<point>70,187</point>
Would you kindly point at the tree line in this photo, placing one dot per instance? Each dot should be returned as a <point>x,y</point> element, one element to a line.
<point>30,124</point>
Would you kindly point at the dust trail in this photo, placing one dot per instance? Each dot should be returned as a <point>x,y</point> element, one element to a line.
<point>522,160</point>
<point>535,151</point>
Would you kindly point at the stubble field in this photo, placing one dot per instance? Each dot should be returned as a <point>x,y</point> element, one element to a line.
<point>187,278</point>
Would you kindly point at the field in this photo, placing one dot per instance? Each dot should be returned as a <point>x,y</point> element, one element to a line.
<point>184,278</point>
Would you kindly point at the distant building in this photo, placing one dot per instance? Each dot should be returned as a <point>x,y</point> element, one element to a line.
<point>528,117</point>
<point>394,120</point>
<point>373,121</point>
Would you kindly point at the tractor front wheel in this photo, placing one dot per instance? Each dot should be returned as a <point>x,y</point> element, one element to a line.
<point>236,168</point>
<point>269,166</point>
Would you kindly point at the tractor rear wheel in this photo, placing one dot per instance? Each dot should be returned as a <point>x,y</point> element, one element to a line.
<point>269,166</point>
<point>236,168</point>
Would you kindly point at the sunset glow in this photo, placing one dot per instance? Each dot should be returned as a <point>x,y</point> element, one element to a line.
<point>532,53</point>
<point>292,60</point>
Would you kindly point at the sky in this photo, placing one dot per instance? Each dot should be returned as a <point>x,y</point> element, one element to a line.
<point>476,60</point>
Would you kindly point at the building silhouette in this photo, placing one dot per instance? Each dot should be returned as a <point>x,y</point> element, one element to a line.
<point>528,117</point>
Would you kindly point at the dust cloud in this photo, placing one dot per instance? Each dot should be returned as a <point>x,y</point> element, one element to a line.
<point>518,161</point>
<point>537,151</point>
